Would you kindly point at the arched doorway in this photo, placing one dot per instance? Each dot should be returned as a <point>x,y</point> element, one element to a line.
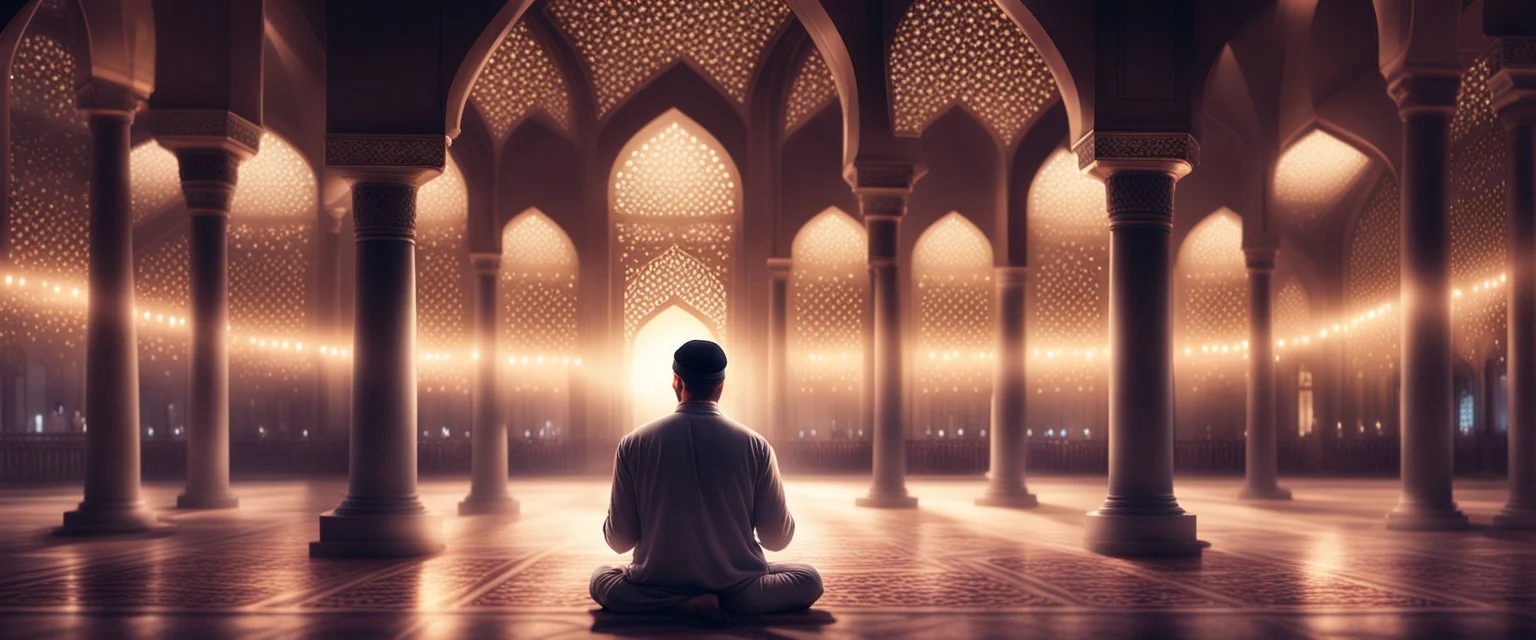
<point>675,198</point>
<point>952,271</point>
<point>828,287</point>
<point>537,332</point>
<point>650,362</point>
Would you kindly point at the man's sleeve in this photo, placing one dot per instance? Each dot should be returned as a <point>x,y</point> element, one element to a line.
<point>770,516</point>
<point>622,528</point>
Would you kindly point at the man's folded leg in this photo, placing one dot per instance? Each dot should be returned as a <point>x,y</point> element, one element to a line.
<point>788,586</point>
<point>611,589</point>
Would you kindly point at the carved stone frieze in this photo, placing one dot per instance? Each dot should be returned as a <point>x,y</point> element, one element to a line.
<point>1421,90</point>
<point>206,128</point>
<point>1101,147</point>
<point>427,153</point>
<point>384,210</point>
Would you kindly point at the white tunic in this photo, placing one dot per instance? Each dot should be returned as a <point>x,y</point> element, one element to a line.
<point>689,490</point>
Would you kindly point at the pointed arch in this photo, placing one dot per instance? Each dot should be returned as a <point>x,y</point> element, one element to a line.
<point>674,277</point>
<point>989,67</point>
<point>829,288</point>
<point>1069,252</point>
<point>442,211</point>
<point>537,287</point>
<point>1313,173</point>
<point>952,275</point>
<point>1213,280</point>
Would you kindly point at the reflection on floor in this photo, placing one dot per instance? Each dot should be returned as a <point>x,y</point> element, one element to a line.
<point>1321,566</point>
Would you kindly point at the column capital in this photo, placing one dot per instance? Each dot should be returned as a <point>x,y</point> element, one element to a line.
<point>1425,90</point>
<point>206,129</point>
<point>485,264</point>
<point>1512,78</point>
<point>1015,276</point>
<point>780,268</point>
<point>1139,199</point>
<point>384,210</point>
<point>208,176</point>
<point>869,175</point>
<point>882,186</point>
<point>99,97</point>
<point>1259,259</point>
<point>1103,153</point>
<point>406,159</point>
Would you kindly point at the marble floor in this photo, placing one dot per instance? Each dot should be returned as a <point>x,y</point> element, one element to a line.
<point>1321,566</point>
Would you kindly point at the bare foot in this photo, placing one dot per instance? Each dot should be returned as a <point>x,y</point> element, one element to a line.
<point>704,608</point>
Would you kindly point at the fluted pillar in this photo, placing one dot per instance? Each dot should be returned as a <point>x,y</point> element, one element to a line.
<point>1140,516</point>
<point>382,515</point>
<point>882,190</point>
<point>1006,487</point>
<point>113,502</point>
<point>488,483</point>
<point>779,270</point>
<point>1513,85</point>
<point>1261,469</point>
<point>1426,102</point>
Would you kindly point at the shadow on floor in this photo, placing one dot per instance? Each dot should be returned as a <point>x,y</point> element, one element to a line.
<point>782,625</point>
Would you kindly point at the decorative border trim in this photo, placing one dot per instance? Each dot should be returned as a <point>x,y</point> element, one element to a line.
<point>1259,258</point>
<point>485,263</point>
<point>1099,146</point>
<point>206,127</point>
<point>365,151</point>
<point>1415,90</point>
<point>1511,51</point>
<point>884,175</point>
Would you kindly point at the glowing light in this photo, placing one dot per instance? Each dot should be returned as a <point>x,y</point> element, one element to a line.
<point>1314,173</point>
<point>650,355</point>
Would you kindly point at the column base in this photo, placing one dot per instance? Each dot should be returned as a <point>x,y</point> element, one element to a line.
<point>1142,536</point>
<point>218,501</point>
<point>99,520</point>
<point>1513,518</point>
<point>1270,492</point>
<point>378,536</point>
<point>1418,517</point>
<point>887,501</point>
<point>1020,499</point>
<point>499,505</point>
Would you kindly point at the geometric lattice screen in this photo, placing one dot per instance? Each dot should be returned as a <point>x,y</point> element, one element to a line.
<point>948,53</point>
<point>1212,328</point>
<point>675,197</point>
<point>828,288</point>
<point>1068,312</point>
<point>952,272</point>
<point>537,334</point>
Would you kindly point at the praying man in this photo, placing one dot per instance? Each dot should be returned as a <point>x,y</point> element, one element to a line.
<point>698,497</point>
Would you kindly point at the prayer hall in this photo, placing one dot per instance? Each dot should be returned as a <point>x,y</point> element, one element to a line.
<point>1038,318</point>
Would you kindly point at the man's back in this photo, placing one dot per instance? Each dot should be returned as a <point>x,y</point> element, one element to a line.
<point>688,492</point>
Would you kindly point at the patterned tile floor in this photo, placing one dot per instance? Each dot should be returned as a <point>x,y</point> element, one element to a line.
<point>1321,566</point>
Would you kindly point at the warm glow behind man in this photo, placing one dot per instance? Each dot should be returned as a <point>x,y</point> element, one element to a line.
<point>698,497</point>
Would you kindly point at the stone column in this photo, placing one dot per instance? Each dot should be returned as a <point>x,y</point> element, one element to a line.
<point>882,190</point>
<point>1261,480</point>
<point>1513,85</point>
<point>488,484</point>
<point>209,146</point>
<point>382,515</point>
<point>208,184</point>
<point>1141,516</point>
<point>779,270</point>
<point>113,503</point>
<point>1006,486</point>
<point>1426,102</point>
